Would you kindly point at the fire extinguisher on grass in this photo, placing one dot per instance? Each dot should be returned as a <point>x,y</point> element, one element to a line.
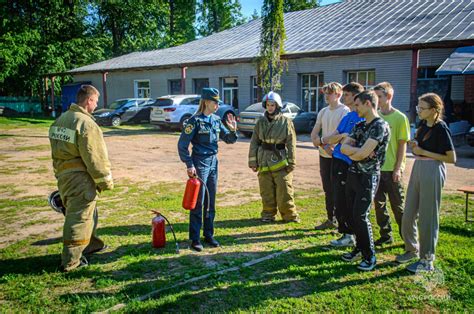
<point>159,231</point>
<point>191,194</point>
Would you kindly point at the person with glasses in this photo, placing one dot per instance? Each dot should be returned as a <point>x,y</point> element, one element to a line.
<point>203,130</point>
<point>432,148</point>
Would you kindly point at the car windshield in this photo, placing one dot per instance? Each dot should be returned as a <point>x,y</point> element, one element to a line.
<point>118,103</point>
<point>257,107</point>
<point>162,102</point>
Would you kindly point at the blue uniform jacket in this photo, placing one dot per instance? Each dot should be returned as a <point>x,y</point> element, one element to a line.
<point>204,133</point>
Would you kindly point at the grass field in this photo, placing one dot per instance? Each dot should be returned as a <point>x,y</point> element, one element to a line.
<point>304,275</point>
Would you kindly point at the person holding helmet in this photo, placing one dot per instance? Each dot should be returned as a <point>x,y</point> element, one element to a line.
<point>203,130</point>
<point>272,155</point>
<point>82,168</point>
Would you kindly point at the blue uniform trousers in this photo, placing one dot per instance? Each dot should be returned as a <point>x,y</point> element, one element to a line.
<point>206,169</point>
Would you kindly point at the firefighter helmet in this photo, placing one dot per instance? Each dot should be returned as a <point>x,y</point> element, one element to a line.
<point>56,203</point>
<point>272,96</point>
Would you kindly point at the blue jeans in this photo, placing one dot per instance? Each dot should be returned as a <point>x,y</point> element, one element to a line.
<point>206,169</point>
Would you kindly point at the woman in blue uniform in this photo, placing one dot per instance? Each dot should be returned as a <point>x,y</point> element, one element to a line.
<point>204,130</point>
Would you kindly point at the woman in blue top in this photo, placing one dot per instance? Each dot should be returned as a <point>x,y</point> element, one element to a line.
<point>204,130</point>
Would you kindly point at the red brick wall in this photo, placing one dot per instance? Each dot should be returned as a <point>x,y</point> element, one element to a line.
<point>469,89</point>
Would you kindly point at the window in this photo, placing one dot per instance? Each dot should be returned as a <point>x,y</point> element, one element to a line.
<point>199,84</point>
<point>230,90</point>
<point>142,89</point>
<point>256,91</point>
<point>174,87</point>
<point>365,77</point>
<point>311,93</point>
<point>428,73</point>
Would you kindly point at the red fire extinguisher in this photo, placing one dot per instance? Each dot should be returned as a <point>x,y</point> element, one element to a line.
<point>159,231</point>
<point>191,194</point>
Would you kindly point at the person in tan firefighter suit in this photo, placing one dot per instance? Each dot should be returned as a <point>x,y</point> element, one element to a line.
<point>272,154</point>
<point>82,168</point>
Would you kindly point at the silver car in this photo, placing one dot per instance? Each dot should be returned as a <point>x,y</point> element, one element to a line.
<point>303,121</point>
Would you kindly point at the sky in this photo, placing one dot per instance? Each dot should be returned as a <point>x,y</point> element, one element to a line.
<point>248,6</point>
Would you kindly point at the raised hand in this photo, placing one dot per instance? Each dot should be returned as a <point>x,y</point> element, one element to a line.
<point>231,122</point>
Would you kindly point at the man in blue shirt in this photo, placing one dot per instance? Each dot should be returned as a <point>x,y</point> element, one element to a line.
<point>341,163</point>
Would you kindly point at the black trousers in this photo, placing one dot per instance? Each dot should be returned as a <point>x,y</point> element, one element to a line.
<point>325,165</point>
<point>360,190</point>
<point>343,212</point>
<point>396,196</point>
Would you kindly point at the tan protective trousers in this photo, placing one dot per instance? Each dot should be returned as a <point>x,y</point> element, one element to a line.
<point>79,196</point>
<point>276,190</point>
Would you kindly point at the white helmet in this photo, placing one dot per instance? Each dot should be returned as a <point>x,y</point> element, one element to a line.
<point>273,97</point>
<point>56,203</point>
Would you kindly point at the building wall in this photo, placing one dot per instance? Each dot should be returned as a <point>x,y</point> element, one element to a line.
<point>389,66</point>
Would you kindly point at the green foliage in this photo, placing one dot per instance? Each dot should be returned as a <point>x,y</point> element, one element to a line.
<point>272,39</point>
<point>218,15</point>
<point>298,5</point>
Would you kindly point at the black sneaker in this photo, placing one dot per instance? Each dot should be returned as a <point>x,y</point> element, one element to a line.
<point>352,256</point>
<point>82,263</point>
<point>212,242</point>
<point>197,246</point>
<point>383,241</point>
<point>367,264</point>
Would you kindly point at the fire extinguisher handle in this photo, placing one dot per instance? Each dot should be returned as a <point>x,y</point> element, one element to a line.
<point>172,230</point>
<point>207,194</point>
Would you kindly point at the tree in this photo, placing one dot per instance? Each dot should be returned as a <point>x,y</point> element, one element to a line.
<point>218,15</point>
<point>272,38</point>
<point>297,5</point>
<point>182,15</point>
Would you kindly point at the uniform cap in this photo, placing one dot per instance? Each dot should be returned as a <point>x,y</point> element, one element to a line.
<point>210,94</point>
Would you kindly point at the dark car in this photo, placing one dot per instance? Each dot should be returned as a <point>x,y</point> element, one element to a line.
<point>470,137</point>
<point>302,120</point>
<point>127,110</point>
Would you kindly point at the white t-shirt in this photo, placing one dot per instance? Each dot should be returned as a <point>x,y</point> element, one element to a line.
<point>329,120</point>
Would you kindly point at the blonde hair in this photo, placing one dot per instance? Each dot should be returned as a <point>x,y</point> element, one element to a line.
<point>202,105</point>
<point>333,87</point>
<point>85,92</point>
<point>435,102</point>
<point>384,87</point>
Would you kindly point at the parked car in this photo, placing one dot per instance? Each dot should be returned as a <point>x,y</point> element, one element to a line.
<point>172,111</point>
<point>470,136</point>
<point>127,110</point>
<point>302,120</point>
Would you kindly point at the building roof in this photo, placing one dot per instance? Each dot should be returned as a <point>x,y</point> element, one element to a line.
<point>347,27</point>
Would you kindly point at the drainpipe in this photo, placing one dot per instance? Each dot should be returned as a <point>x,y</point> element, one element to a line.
<point>415,55</point>
<point>183,80</point>
<point>104,87</point>
<point>53,113</point>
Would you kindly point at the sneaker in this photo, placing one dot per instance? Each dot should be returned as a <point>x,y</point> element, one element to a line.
<point>212,242</point>
<point>295,220</point>
<point>352,256</point>
<point>268,219</point>
<point>82,263</point>
<point>367,264</point>
<point>196,246</point>
<point>101,249</point>
<point>383,241</point>
<point>328,224</point>
<point>421,266</point>
<point>345,240</point>
<point>406,257</point>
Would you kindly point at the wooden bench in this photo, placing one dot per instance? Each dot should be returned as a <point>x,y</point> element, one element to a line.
<point>467,190</point>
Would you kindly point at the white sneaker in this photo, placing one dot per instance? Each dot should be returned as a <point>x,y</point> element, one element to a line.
<point>345,240</point>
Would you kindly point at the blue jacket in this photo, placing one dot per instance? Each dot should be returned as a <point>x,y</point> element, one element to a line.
<point>345,126</point>
<point>204,133</point>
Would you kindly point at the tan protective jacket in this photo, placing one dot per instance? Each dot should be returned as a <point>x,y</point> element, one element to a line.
<point>77,144</point>
<point>279,130</point>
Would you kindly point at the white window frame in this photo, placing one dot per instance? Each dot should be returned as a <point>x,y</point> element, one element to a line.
<point>425,78</point>
<point>254,95</point>
<point>232,90</point>
<point>136,88</point>
<point>357,72</point>
<point>316,89</point>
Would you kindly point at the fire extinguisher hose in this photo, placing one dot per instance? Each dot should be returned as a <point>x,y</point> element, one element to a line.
<point>207,194</point>
<point>171,227</point>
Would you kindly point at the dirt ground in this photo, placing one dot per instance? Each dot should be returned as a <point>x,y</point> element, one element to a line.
<point>151,156</point>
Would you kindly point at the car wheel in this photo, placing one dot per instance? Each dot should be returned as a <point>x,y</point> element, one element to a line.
<point>183,121</point>
<point>311,125</point>
<point>116,121</point>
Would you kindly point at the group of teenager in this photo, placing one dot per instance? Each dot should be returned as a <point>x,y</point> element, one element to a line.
<point>362,143</point>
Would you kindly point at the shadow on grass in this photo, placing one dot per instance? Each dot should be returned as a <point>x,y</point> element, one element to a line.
<point>462,231</point>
